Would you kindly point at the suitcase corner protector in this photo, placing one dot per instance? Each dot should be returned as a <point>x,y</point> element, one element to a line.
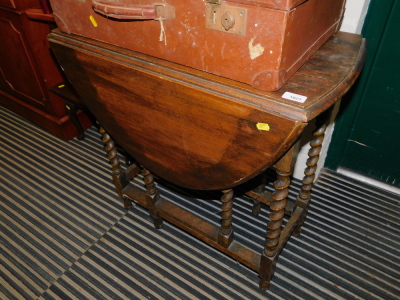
<point>270,80</point>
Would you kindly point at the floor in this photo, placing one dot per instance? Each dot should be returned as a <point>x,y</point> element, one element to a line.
<point>64,234</point>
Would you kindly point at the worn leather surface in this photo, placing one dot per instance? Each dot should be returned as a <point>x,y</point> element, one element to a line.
<point>273,45</point>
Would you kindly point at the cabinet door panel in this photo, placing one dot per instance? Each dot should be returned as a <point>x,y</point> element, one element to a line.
<point>17,67</point>
<point>19,4</point>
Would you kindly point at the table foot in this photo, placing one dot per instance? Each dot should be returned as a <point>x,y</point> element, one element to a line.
<point>267,269</point>
<point>264,284</point>
<point>127,203</point>
<point>158,223</point>
<point>297,230</point>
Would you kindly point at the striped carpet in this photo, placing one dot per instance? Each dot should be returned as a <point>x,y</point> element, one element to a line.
<point>65,235</point>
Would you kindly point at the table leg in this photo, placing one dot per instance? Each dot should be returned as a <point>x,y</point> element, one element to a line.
<point>72,110</point>
<point>284,168</point>
<point>152,197</point>
<point>117,171</point>
<point>281,186</point>
<point>225,235</point>
<point>304,196</point>
<point>270,253</point>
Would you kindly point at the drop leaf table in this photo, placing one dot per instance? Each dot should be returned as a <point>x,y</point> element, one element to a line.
<point>204,132</point>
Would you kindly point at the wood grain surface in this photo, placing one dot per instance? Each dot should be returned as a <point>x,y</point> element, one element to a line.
<point>193,128</point>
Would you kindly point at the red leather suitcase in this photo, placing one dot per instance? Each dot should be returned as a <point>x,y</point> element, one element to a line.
<point>258,42</point>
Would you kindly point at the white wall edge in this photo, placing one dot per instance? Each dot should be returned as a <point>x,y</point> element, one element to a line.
<point>353,21</point>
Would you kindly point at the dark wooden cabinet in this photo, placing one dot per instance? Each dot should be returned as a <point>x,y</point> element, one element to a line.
<point>28,69</point>
<point>19,4</point>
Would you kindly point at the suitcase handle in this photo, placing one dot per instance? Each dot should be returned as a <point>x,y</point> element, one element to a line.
<point>157,11</point>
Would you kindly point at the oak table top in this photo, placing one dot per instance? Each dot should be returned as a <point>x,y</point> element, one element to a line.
<point>196,129</point>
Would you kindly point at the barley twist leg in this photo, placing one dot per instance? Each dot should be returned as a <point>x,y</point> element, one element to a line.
<point>270,252</point>
<point>281,186</point>
<point>272,248</point>
<point>304,196</point>
<point>152,197</point>
<point>116,169</point>
<point>225,235</point>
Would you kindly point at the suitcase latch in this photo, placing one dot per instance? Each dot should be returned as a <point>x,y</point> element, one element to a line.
<point>164,11</point>
<point>226,18</point>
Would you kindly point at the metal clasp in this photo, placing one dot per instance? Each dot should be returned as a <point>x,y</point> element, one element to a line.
<point>226,18</point>
<point>164,11</point>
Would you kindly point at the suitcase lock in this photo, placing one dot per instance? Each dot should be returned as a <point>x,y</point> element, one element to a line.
<point>226,18</point>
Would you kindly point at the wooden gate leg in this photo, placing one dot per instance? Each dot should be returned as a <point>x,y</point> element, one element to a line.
<point>281,186</point>
<point>304,196</point>
<point>225,235</point>
<point>284,168</point>
<point>270,253</point>
<point>117,172</point>
<point>152,197</point>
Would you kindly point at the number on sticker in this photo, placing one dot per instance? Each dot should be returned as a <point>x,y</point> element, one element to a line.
<point>294,97</point>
